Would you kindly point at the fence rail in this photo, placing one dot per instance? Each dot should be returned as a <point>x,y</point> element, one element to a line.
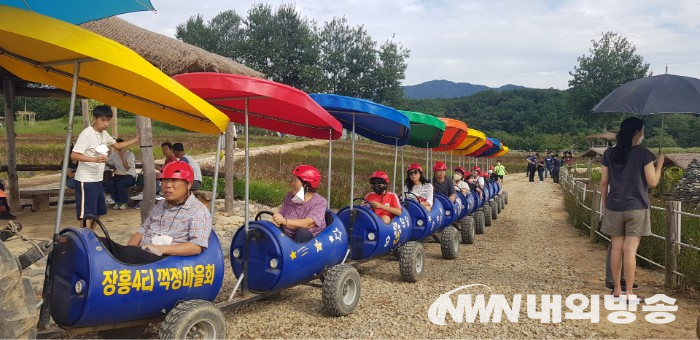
<point>578,187</point>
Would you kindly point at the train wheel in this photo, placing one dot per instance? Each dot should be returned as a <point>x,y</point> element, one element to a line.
<point>468,233</point>
<point>505,197</point>
<point>411,260</point>
<point>479,222</point>
<point>18,312</point>
<point>501,202</point>
<point>494,210</point>
<point>194,319</point>
<point>487,215</point>
<point>341,290</point>
<point>449,243</point>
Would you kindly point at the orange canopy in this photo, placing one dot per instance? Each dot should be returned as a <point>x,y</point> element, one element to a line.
<point>455,133</point>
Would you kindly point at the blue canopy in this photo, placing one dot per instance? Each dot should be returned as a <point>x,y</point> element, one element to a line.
<point>374,121</point>
<point>497,147</point>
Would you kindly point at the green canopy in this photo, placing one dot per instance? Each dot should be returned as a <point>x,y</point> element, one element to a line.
<point>426,130</point>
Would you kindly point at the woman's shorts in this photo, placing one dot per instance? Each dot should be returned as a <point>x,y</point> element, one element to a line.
<point>626,223</point>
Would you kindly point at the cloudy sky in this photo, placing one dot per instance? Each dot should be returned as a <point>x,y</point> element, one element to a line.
<point>533,43</point>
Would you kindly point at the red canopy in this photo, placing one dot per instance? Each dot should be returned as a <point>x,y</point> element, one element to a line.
<point>271,105</point>
<point>487,145</point>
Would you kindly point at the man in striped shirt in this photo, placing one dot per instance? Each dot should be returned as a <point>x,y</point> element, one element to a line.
<point>179,225</point>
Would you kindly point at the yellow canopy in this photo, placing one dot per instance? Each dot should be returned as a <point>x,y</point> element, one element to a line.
<point>41,49</point>
<point>475,140</point>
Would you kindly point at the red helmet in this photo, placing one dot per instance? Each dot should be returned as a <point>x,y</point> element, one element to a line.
<point>308,173</point>
<point>439,166</point>
<point>414,166</point>
<point>380,174</point>
<point>459,168</point>
<point>476,168</point>
<point>177,170</point>
<point>491,167</point>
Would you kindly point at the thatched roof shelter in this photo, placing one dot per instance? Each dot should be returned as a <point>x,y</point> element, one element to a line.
<point>595,152</point>
<point>170,55</point>
<point>603,135</point>
<point>681,160</point>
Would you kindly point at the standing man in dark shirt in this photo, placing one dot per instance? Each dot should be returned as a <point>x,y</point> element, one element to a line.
<point>441,184</point>
<point>556,165</point>
<point>531,163</point>
<point>548,164</point>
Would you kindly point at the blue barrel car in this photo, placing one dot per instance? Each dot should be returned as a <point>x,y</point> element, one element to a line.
<point>276,262</point>
<point>97,289</point>
<point>371,238</point>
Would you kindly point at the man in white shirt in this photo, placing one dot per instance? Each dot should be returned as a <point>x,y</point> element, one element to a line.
<point>179,151</point>
<point>90,151</point>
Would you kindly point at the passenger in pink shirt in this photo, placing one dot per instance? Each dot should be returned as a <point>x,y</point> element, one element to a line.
<point>302,214</point>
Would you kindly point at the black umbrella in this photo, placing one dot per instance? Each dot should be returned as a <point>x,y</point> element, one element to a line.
<point>666,93</point>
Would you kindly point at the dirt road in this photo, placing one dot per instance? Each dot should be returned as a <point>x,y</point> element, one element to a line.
<point>530,249</point>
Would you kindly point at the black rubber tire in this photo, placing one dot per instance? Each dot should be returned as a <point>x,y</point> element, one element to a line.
<point>501,204</point>
<point>341,290</point>
<point>411,261</point>
<point>133,332</point>
<point>468,232</point>
<point>479,222</point>
<point>488,217</point>
<point>449,243</point>
<point>494,210</point>
<point>194,319</point>
<point>505,197</point>
<point>18,312</point>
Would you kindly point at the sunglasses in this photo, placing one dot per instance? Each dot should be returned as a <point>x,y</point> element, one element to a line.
<point>413,172</point>
<point>375,181</point>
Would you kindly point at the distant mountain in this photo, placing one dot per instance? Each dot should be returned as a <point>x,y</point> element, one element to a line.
<point>448,89</point>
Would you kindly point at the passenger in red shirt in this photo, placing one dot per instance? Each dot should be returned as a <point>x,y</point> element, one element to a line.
<point>384,203</point>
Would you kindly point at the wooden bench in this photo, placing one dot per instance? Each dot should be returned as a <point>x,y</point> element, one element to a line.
<point>203,196</point>
<point>40,197</point>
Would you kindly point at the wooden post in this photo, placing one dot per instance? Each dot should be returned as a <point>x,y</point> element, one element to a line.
<point>672,236</point>
<point>228,165</point>
<point>595,217</point>
<point>590,169</point>
<point>143,128</point>
<point>85,109</point>
<point>12,178</point>
<point>115,121</point>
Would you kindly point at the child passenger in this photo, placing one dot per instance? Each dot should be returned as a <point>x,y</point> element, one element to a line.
<point>384,203</point>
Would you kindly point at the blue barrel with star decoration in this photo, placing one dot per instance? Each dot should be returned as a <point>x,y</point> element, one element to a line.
<point>424,222</point>
<point>371,237</point>
<point>276,262</point>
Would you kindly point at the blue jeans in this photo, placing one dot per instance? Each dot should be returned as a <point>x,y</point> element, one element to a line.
<point>117,188</point>
<point>548,170</point>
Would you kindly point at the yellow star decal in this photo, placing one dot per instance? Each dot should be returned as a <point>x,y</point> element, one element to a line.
<point>293,255</point>
<point>319,246</point>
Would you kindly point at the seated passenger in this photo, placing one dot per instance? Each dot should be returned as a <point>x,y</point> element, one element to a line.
<point>441,184</point>
<point>303,211</point>
<point>384,203</point>
<point>479,177</point>
<point>124,163</point>
<point>459,180</point>
<point>178,225</point>
<point>419,186</point>
<point>473,183</point>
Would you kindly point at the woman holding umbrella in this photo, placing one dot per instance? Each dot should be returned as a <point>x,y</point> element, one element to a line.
<point>627,172</point>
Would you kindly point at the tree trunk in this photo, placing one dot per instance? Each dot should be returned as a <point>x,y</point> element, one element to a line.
<point>85,110</point>
<point>12,178</point>
<point>143,128</point>
<point>228,165</point>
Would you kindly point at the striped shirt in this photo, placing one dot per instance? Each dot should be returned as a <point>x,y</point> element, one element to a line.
<point>189,222</point>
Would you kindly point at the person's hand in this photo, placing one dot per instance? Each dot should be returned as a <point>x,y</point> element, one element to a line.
<point>278,219</point>
<point>375,204</point>
<point>101,159</point>
<point>153,249</point>
<point>660,158</point>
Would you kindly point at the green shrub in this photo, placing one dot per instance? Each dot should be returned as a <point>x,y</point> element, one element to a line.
<point>270,194</point>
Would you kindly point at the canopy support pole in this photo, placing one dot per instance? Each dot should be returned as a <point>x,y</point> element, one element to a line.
<point>244,286</point>
<point>396,159</point>
<point>44,313</point>
<point>217,159</point>
<point>402,172</point>
<point>352,165</point>
<point>427,158</point>
<point>330,160</point>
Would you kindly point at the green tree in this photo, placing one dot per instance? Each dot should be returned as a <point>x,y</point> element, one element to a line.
<point>613,61</point>
<point>389,73</point>
<point>196,32</point>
